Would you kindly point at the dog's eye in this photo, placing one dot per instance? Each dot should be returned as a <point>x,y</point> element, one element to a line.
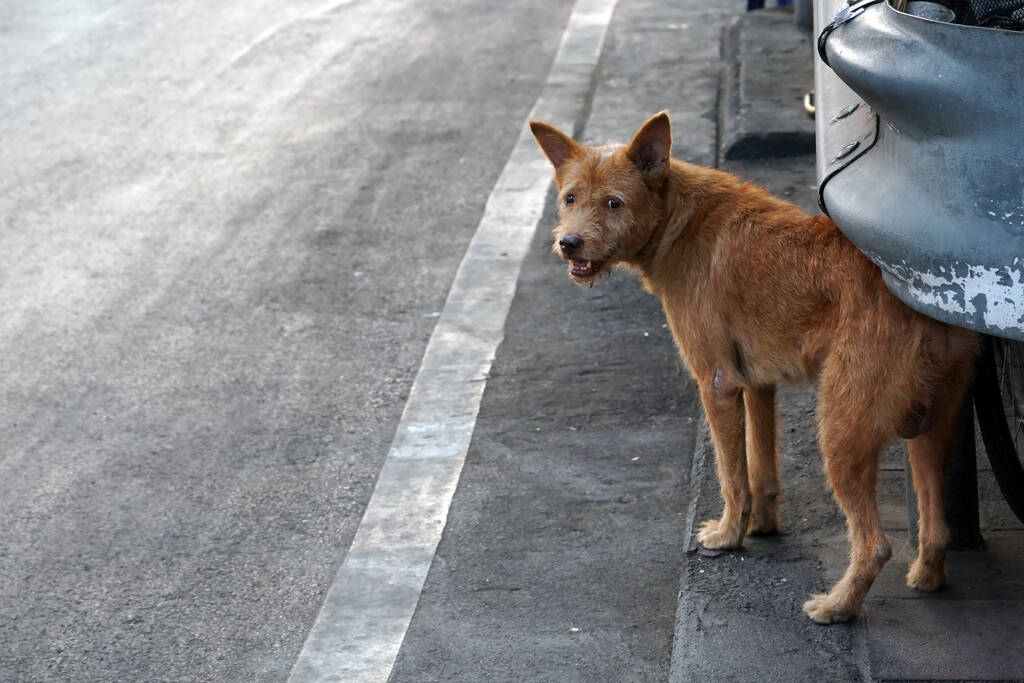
<point>570,198</point>
<point>614,202</point>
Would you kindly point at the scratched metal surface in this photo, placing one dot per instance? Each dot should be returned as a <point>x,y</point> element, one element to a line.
<point>938,200</point>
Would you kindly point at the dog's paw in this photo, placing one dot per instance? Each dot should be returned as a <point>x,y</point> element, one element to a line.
<point>764,522</point>
<point>924,577</point>
<point>824,609</point>
<point>714,536</point>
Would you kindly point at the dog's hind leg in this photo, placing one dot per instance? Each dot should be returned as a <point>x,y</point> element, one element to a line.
<point>850,445</point>
<point>929,454</point>
<point>723,405</point>
<point>762,458</point>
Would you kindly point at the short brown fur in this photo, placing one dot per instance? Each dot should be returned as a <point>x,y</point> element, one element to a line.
<point>757,292</point>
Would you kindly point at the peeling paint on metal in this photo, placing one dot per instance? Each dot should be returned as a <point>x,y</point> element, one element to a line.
<point>992,295</point>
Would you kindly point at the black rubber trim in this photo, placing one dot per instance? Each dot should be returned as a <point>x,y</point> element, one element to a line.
<point>834,173</point>
<point>855,10</point>
<point>822,38</point>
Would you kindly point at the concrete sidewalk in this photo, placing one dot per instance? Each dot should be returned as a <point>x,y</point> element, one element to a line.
<point>739,614</point>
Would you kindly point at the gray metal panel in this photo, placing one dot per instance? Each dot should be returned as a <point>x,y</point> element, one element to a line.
<point>938,201</point>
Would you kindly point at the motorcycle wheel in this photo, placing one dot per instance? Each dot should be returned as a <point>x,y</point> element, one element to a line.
<point>999,404</point>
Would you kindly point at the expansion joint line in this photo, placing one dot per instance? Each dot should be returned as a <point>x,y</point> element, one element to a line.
<point>368,608</point>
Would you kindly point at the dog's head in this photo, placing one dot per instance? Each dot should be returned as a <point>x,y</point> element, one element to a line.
<point>610,198</point>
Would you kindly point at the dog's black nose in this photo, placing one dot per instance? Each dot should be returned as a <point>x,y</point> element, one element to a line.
<point>570,243</point>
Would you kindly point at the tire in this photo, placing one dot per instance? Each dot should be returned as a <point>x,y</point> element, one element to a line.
<point>999,404</point>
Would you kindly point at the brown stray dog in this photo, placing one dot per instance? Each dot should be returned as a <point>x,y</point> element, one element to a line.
<point>757,292</point>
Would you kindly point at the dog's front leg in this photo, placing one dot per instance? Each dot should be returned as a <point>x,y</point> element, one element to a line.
<point>723,405</point>
<point>762,458</point>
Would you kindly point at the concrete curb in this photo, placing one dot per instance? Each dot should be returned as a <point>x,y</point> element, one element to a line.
<point>768,68</point>
<point>739,615</point>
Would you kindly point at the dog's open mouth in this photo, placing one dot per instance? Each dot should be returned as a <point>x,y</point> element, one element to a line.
<point>581,268</point>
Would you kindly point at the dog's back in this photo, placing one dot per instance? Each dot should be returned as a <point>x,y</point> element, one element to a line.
<point>738,267</point>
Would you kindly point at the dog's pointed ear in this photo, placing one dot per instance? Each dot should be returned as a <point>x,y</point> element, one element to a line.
<point>558,146</point>
<point>651,146</point>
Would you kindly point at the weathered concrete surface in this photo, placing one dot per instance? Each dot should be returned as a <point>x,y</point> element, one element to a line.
<point>971,630</point>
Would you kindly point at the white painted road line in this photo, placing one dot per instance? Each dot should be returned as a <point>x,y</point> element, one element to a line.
<point>363,621</point>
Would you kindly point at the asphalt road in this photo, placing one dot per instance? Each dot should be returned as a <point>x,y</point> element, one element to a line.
<point>227,229</point>
<point>565,542</point>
